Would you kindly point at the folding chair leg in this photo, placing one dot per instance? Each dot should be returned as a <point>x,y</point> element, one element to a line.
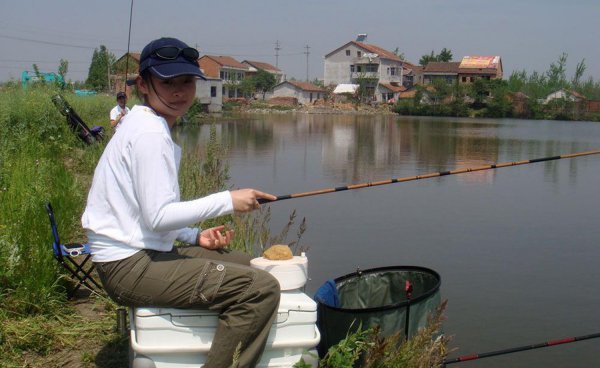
<point>87,274</point>
<point>83,280</point>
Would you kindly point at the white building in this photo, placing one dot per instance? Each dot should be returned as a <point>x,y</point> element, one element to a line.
<point>209,93</point>
<point>306,93</point>
<point>356,62</point>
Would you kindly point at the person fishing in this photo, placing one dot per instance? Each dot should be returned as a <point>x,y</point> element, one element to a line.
<point>134,215</point>
<point>118,112</point>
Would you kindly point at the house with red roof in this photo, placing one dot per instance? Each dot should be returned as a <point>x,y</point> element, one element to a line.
<point>358,62</point>
<point>226,68</point>
<point>304,92</point>
<point>254,66</point>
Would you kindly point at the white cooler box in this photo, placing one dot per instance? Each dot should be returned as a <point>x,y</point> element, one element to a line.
<point>180,338</point>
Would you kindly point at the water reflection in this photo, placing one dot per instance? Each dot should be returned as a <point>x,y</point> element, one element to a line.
<point>359,148</point>
<point>517,248</point>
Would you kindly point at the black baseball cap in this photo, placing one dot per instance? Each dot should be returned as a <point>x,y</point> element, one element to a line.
<point>121,95</point>
<point>168,58</point>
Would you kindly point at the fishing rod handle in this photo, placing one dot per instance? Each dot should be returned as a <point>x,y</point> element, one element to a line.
<point>279,198</point>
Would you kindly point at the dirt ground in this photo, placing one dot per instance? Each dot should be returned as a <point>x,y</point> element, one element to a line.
<point>100,344</point>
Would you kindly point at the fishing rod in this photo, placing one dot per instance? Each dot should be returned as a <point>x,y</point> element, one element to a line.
<point>519,348</point>
<point>128,43</point>
<point>426,176</point>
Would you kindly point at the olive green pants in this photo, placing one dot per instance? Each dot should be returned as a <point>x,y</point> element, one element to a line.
<point>193,277</point>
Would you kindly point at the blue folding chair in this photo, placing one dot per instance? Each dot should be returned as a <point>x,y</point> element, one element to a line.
<point>65,254</point>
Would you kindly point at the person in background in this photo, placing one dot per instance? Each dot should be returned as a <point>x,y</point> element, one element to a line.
<point>134,215</point>
<point>118,112</point>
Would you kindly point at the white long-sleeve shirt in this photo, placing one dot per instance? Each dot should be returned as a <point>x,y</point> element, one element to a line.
<point>134,201</point>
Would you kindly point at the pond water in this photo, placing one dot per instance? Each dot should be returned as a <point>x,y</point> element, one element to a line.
<point>517,248</point>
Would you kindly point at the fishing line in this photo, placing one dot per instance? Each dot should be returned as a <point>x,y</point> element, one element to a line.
<point>426,176</point>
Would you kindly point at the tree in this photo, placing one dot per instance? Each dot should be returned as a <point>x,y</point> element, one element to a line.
<point>247,86</point>
<point>264,81</point>
<point>100,68</point>
<point>579,70</point>
<point>63,68</point>
<point>38,75</point>
<point>425,59</point>
<point>441,89</point>
<point>399,54</point>
<point>444,56</point>
<point>557,73</point>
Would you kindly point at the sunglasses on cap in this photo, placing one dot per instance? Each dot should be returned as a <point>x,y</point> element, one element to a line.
<point>173,52</point>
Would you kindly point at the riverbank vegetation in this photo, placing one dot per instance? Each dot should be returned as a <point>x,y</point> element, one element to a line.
<point>522,95</point>
<point>42,160</point>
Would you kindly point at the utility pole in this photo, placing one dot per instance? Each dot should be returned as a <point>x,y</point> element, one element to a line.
<point>277,48</point>
<point>307,53</point>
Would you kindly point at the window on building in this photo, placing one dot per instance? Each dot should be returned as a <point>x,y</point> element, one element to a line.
<point>464,79</point>
<point>347,52</point>
<point>213,91</point>
<point>222,74</point>
<point>359,54</point>
<point>393,71</point>
<point>223,91</point>
<point>351,68</point>
<point>372,68</point>
<point>311,96</point>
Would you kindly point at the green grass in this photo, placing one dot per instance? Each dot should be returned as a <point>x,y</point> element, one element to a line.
<point>40,160</point>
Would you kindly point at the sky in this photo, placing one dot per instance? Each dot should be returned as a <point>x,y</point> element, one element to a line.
<point>528,34</point>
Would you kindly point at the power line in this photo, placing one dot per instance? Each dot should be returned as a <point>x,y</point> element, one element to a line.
<point>51,43</point>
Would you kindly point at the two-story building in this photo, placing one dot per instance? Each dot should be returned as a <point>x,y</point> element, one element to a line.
<point>226,68</point>
<point>357,62</point>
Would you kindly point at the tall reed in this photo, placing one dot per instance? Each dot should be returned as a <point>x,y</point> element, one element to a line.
<point>204,171</point>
